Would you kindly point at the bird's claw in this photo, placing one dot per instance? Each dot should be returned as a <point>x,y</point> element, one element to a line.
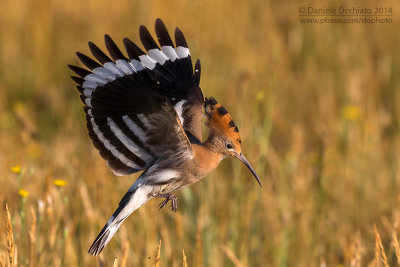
<point>174,202</point>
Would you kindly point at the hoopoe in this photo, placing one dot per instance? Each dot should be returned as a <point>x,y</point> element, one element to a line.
<point>144,112</point>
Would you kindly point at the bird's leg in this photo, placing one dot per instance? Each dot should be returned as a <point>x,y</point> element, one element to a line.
<point>168,197</point>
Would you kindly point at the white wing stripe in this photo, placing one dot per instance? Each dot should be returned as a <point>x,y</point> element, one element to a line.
<point>147,61</point>
<point>145,121</point>
<point>137,65</point>
<point>182,51</point>
<point>111,148</point>
<point>179,109</point>
<point>134,128</point>
<point>124,66</point>
<point>89,85</point>
<point>87,92</point>
<point>170,52</point>
<point>157,55</point>
<point>110,71</point>
<point>88,101</point>
<point>164,175</point>
<point>111,67</point>
<point>105,73</point>
<point>95,79</point>
<point>128,143</point>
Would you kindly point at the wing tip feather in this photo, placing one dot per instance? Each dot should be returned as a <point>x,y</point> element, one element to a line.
<point>87,61</point>
<point>146,38</point>
<point>132,49</point>
<point>112,48</point>
<point>180,38</point>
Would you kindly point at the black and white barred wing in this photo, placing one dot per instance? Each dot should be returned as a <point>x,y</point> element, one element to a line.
<point>172,68</point>
<point>129,121</point>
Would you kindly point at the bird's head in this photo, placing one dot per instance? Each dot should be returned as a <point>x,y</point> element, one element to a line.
<point>224,133</point>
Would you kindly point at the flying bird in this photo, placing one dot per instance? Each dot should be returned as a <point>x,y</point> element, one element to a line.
<point>144,112</point>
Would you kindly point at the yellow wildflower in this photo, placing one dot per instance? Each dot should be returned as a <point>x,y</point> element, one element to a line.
<point>351,113</point>
<point>16,169</point>
<point>60,182</point>
<point>23,193</point>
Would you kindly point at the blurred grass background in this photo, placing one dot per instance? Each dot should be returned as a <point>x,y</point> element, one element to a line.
<point>317,107</point>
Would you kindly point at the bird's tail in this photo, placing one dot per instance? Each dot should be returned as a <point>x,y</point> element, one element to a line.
<point>132,200</point>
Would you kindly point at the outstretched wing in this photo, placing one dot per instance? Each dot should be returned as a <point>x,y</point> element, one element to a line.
<point>172,68</point>
<point>130,121</point>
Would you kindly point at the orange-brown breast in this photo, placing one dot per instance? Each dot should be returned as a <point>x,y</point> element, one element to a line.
<point>205,160</point>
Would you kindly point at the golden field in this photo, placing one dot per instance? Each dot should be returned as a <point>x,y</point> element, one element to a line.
<point>317,108</point>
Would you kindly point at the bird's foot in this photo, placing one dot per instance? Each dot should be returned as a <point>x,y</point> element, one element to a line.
<point>168,197</point>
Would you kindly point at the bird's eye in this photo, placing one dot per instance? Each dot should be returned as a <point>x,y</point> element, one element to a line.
<point>228,146</point>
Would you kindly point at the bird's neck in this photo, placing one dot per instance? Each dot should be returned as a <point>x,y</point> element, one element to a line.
<point>206,157</point>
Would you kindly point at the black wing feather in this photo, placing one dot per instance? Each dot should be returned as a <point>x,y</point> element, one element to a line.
<point>146,38</point>
<point>180,38</point>
<point>197,72</point>
<point>121,98</point>
<point>87,61</point>
<point>132,49</point>
<point>162,34</point>
<point>113,48</point>
<point>79,71</point>
<point>98,54</point>
<point>78,80</point>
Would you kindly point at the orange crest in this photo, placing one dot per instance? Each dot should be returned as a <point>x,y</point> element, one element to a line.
<point>220,120</point>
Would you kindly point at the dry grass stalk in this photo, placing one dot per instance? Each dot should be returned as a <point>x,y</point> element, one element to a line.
<point>32,237</point>
<point>16,256</point>
<point>198,258</point>
<point>3,258</point>
<point>376,262</point>
<point>322,262</point>
<point>380,255</point>
<point>115,264</point>
<point>356,251</point>
<point>396,219</point>
<point>231,255</point>
<point>184,262</point>
<point>53,235</point>
<point>10,238</point>
<point>125,254</point>
<point>396,247</point>
<point>157,260</point>
<point>86,200</point>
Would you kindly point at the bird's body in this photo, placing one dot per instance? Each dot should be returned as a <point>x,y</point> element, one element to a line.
<point>145,113</point>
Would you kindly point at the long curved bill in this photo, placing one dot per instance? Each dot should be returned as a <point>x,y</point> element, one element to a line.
<point>247,163</point>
